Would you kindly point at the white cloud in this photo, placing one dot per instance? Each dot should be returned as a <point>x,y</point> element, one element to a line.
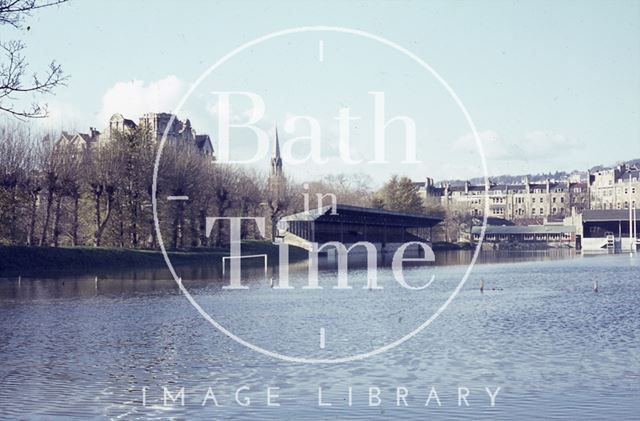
<point>136,97</point>
<point>492,145</point>
<point>544,144</point>
<point>532,146</point>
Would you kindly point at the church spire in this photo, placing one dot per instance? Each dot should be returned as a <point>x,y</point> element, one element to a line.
<point>276,160</point>
<point>276,147</point>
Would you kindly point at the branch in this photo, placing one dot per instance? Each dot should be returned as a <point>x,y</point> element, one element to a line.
<point>12,74</point>
<point>13,12</point>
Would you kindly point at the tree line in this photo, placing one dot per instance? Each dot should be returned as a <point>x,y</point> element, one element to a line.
<point>58,194</point>
<point>54,193</point>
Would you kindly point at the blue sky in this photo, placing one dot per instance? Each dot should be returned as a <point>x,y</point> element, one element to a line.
<point>550,85</point>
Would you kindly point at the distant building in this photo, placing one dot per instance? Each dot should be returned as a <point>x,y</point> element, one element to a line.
<point>156,123</point>
<point>551,235</point>
<point>525,202</point>
<point>606,229</point>
<point>79,141</point>
<point>615,188</point>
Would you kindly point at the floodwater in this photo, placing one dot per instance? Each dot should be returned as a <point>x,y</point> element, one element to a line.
<point>75,348</point>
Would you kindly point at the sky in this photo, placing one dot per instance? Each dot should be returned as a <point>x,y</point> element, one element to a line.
<point>549,85</point>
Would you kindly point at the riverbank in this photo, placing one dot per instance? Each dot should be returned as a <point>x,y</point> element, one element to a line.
<point>449,246</point>
<point>25,259</point>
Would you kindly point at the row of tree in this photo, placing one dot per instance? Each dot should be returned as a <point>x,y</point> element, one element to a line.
<point>55,193</point>
<point>61,194</point>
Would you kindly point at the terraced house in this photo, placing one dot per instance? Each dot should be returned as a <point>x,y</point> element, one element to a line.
<point>527,201</point>
<point>615,188</point>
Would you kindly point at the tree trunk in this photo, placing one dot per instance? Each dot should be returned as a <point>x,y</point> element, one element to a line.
<point>193,225</point>
<point>176,229</point>
<point>97,193</point>
<point>120,224</point>
<point>152,240</point>
<point>74,222</point>
<point>202,228</point>
<point>14,217</point>
<point>244,228</point>
<point>56,221</point>
<point>47,218</point>
<point>133,227</point>
<point>219,228</point>
<point>274,220</point>
<point>32,219</point>
<point>100,225</point>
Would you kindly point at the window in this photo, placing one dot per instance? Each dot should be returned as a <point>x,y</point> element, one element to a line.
<point>553,200</point>
<point>542,200</point>
<point>533,211</point>
<point>541,211</point>
<point>533,200</point>
<point>562,200</point>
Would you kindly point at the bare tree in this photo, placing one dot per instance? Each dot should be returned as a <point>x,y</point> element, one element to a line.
<point>33,187</point>
<point>136,153</point>
<point>180,177</point>
<point>71,162</point>
<point>281,195</point>
<point>349,189</point>
<point>249,199</point>
<point>15,153</point>
<point>224,187</point>
<point>104,173</point>
<point>51,184</point>
<point>14,80</point>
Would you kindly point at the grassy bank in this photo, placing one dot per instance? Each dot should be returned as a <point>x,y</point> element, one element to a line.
<point>24,259</point>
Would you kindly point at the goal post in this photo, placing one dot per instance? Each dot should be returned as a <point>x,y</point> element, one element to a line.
<point>248,256</point>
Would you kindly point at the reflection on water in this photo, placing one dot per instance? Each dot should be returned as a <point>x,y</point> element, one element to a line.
<point>154,280</point>
<point>76,348</point>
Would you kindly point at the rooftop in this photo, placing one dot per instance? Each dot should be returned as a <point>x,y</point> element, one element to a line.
<point>357,214</point>
<point>605,215</point>
<point>526,229</point>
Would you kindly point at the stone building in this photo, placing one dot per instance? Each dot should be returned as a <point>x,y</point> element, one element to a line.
<point>615,188</point>
<point>79,141</point>
<point>526,202</point>
<point>156,123</point>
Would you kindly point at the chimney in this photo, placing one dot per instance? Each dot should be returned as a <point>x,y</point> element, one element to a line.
<point>93,133</point>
